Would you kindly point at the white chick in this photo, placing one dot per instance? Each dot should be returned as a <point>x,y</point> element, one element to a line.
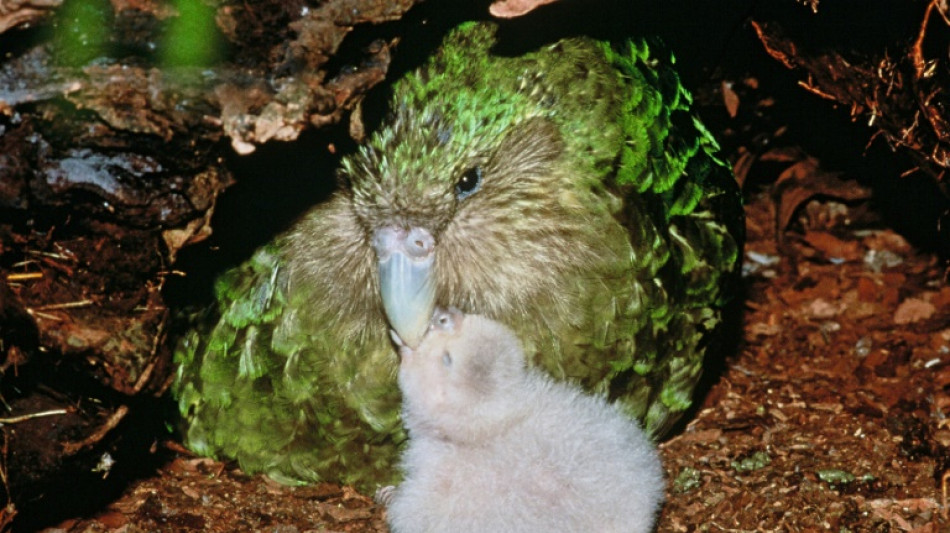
<point>498,447</point>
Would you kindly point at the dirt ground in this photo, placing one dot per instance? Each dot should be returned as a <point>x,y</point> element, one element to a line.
<point>829,416</point>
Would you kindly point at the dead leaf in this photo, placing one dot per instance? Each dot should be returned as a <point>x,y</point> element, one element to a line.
<point>805,180</point>
<point>705,435</point>
<point>112,519</point>
<point>730,98</point>
<point>868,289</point>
<point>784,154</point>
<point>941,300</point>
<point>23,13</point>
<point>940,339</point>
<point>856,307</point>
<point>339,514</point>
<point>766,330</point>
<point>887,240</point>
<point>515,8</point>
<point>821,308</point>
<point>743,164</point>
<point>195,231</point>
<point>833,247</point>
<point>193,465</point>
<point>913,310</point>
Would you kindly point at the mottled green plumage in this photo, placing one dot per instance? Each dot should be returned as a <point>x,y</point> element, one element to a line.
<point>604,232</point>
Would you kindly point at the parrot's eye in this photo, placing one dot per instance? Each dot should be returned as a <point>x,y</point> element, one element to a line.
<point>470,181</point>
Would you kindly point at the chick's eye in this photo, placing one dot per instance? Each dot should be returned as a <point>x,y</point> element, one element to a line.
<point>469,183</point>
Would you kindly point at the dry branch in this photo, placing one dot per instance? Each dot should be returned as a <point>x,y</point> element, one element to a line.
<point>903,95</point>
<point>112,157</point>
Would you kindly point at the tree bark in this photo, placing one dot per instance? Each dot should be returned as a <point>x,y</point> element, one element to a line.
<point>115,122</point>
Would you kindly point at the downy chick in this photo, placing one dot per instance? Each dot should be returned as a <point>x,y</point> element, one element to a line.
<point>496,446</point>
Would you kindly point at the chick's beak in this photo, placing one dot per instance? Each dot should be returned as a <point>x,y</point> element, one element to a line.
<point>405,259</point>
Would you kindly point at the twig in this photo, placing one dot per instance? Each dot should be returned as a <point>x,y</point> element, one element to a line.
<point>70,448</point>
<point>874,135</point>
<point>815,90</point>
<point>52,255</point>
<point>942,12</point>
<point>24,276</point>
<point>150,367</point>
<point>6,517</point>
<point>8,512</point>
<point>3,465</point>
<point>166,384</point>
<point>909,171</point>
<point>21,264</point>
<point>943,488</point>
<point>15,358</point>
<point>64,305</point>
<point>23,418</point>
<point>777,54</point>
<point>917,50</point>
<point>47,316</point>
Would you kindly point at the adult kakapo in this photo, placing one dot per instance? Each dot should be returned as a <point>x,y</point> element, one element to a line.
<point>567,193</point>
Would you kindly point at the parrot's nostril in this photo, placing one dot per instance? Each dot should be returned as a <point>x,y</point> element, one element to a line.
<point>416,242</point>
<point>419,242</point>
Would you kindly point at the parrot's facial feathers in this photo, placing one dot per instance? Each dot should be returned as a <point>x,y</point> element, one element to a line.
<point>521,231</point>
<point>426,159</point>
<point>530,147</point>
<point>484,170</point>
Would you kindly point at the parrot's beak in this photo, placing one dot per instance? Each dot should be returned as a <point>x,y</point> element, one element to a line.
<point>406,259</point>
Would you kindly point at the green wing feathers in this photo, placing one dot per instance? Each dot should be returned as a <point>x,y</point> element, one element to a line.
<point>254,384</point>
<point>689,246</point>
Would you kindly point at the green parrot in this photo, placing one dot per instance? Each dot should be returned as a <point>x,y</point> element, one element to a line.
<point>567,193</point>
